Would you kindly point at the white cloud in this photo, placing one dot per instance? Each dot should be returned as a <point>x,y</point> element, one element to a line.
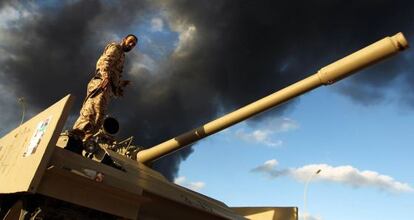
<point>180,180</point>
<point>157,24</point>
<point>269,168</point>
<point>186,38</point>
<point>196,186</point>
<point>258,136</point>
<point>286,124</point>
<point>265,135</point>
<point>280,125</point>
<point>307,216</point>
<point>351,176</point>
<point>270,164</point>
<point>10,14</point>
<point>143,61</point>
<point>187,34</point>
<point>346,175</point>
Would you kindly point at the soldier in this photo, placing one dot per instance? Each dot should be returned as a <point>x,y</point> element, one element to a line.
<point>106,83</point>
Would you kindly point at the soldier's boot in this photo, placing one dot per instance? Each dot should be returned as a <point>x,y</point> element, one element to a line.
<point>77,134</point>
<point>75,143</point>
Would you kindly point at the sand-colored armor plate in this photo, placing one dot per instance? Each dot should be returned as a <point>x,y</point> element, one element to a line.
<point>25,151</point>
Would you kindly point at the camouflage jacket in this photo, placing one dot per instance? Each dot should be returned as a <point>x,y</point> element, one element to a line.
<point>110,66</point>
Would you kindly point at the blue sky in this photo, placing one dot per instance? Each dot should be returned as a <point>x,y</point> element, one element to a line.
<point>364,150</point>
<point>331,130</point>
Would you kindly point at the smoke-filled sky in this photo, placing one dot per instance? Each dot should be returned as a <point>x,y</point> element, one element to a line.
<point>195,59</point>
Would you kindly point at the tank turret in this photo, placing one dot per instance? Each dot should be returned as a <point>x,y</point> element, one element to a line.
<point>325,76</point>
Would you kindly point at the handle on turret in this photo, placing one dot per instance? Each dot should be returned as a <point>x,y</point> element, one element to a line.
<point>325,76</point>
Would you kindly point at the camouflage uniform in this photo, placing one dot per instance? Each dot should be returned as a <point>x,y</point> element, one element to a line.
<point>105,84</point>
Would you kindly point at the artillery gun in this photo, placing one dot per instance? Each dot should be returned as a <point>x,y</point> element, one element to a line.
<point>46,174</point>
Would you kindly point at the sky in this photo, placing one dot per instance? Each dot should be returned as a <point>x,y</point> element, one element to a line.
<point>197,60</point>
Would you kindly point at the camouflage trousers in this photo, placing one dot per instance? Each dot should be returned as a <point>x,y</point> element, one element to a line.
<point>93,111</point>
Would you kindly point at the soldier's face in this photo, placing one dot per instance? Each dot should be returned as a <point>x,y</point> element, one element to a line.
<point>129,43</point>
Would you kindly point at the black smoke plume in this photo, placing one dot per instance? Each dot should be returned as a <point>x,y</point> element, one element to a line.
<point>240,51</point>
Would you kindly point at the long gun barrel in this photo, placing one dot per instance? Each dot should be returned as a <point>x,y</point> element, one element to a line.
<point>325,76</point>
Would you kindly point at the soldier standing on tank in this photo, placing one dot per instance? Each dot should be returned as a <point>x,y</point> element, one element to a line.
<point>105,84</point>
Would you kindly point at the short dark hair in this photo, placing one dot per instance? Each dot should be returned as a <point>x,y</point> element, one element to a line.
<point>132,35</point>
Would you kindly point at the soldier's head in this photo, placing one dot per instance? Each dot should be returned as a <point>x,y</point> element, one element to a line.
<point>129,42</point>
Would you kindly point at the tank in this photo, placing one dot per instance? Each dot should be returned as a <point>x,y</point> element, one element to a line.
<point>49,174</point>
